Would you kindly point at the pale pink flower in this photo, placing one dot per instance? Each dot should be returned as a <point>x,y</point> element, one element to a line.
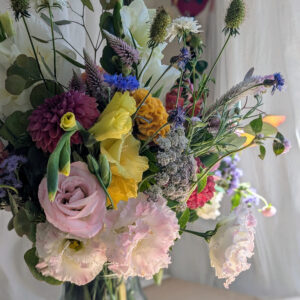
<point>139,236</point>
<point>80,203</point>
<point>233,244</point>
<point>269,211</point>
<point>66,257</point>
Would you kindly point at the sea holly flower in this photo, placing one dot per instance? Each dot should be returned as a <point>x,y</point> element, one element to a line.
<point>233,244</point>
<point>67,257</point>
<point>79,206</point>
<point>182,26</point>
<point>139,235</point>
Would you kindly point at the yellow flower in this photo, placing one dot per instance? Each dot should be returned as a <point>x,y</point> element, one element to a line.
<point>121,189</point>
<point>115,121</point>
<point>124,157</point>
<point>68,121</point>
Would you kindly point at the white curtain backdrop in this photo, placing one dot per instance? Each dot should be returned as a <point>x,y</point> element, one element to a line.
<point>270,41</point>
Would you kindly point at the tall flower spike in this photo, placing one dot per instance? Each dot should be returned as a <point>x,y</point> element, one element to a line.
<point>76,83</point>
<point>158,31</point>
<point>234,17</point>
<point>127,54</point>
<point>96,86</point>
<point>20,8</point>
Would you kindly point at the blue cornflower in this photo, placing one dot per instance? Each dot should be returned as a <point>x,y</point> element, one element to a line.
<point>177,117</point>
<point>128,83</point>
<point>278,83</point>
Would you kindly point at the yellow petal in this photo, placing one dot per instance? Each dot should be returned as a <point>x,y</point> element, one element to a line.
<point>249,138</point>
<point>274,120</point>
<point>121,189</point>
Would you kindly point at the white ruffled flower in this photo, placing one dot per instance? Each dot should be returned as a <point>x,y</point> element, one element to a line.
<point>66,257</point>
<point>182,25</point>
<point>137,20</point>
<point>19,44</point>
<point>233,244</point>
<point>210,211</point>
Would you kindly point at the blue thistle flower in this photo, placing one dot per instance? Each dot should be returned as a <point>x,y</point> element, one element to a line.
<point>278,83</point>
<point>128,83</point>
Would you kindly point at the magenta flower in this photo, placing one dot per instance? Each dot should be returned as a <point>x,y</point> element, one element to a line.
<point>44,121</point>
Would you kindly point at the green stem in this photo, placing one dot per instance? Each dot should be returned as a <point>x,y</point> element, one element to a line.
<point>34,51</point>
<point>146,64</point>
<point>179,86</point>
<point>201,89</point>
<point>206,235</point>
<point>53,43</point>
<point>149,140</point>
<point>105,189</point>
<point>161,76</point>
<point>4,186</point>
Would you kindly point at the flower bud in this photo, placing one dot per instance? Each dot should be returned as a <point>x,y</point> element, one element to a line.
<point>268,211</point>
<point>235,15</point>
<point>158,31</point>
<point>20,8</point>
<point>7,24</point>
<point>68,121</point>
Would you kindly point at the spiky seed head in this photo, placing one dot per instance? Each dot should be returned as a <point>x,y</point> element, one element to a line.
<point>158,31</point>
<point>20,8</point>
<point>235,14</point>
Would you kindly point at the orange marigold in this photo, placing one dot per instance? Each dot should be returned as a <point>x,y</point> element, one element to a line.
<point>151,116</point>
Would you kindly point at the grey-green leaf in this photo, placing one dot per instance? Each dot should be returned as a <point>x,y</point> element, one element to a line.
<point>15,84</point>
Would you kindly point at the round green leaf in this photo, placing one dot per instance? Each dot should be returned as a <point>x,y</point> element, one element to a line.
<point>15,84</point>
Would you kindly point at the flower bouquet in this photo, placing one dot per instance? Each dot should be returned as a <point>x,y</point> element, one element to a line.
<point>104,164</point>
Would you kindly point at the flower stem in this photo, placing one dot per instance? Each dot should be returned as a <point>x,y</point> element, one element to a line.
<point>105,189</point>
<point>34,51</point>
<point>53,45</point>
<point>146,64</point>
<point>8,187</point>
<point>179,87</point>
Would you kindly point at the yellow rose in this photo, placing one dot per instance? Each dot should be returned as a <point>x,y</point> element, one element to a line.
<point>121,189</point>
<point>115,121</point>
<point>124,157</point>
<point>68,121</point>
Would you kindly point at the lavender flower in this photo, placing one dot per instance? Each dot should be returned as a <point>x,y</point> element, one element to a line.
<point>8,170</point>
<point>177,117</point>
<point>126,53</point>
<point>251,198</point>
<point>287,145</point>
<point>128,83</point>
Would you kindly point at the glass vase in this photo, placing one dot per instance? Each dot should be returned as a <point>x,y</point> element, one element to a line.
<point>105,288</point>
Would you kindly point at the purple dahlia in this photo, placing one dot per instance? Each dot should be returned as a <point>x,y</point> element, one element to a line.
<point>44,122</point>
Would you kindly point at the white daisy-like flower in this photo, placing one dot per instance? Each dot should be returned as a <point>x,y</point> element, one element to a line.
<point>66,257</point>
<point>233,244</point>
<point>182,25</point>
<point>210,211</point>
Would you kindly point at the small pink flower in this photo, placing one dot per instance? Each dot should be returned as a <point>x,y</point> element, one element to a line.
<point>79,206</point>
<point>268,211</point>
<point>139,236</point>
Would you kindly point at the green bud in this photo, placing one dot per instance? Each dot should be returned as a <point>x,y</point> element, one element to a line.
<point>235,14</point>
<point>93,164</point>
<point>7,24</point>
<point>105,171</point>
<point>158,31</point>
<point>20,8</point>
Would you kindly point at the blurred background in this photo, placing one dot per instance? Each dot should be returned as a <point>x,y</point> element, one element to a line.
<point>269,40</point>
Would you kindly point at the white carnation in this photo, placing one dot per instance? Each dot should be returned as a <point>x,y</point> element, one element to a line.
<point>233,244</point>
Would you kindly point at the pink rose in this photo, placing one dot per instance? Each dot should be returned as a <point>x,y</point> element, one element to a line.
<point>79,207</point>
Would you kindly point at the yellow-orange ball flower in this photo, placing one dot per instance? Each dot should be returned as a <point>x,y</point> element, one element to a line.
<point>115,120</point>
<point>151,116</point>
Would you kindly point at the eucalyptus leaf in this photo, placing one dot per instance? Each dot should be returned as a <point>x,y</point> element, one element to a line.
<point>15,84</point>
<point>32,260</point>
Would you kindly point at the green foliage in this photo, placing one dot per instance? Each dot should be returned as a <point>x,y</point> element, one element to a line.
<point>184,218</point>
<point>193,216</point>
<point>14,129</point>
<point>88,4</point>
<point>32,260</point>
<point>106,60</point>
<point>107,22</point>
<point>158,277</point>
<point>262,151</point>
<point>157,93</point>
<point>71,60</point>
<point>257,125</point>
<point>117,22</point>
<point>15,84</point>
<point>23,225</point>
<point>209,159</point>
<point>201,183</point>
<point>107,5</point>
<point>232,141</point>
<point>278,147</point>
<point>236,199</point>
<point>41,92</point>
<point>267,130</point>
<point>47,20</point>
